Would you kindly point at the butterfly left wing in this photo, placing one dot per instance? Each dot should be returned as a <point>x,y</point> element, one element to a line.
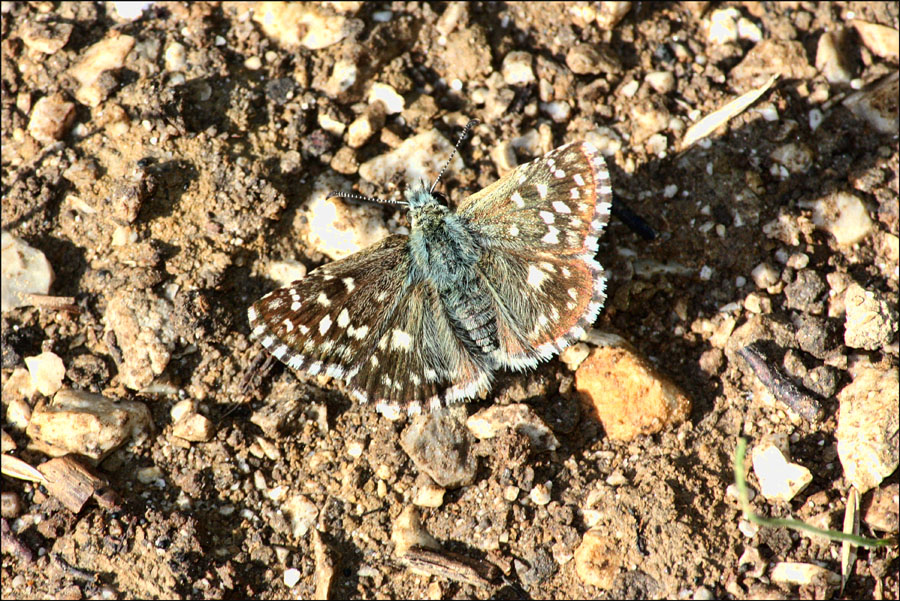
<point>539,226</point>
<point>360,320</point>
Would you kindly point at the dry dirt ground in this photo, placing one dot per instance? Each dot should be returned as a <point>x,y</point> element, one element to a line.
<point>231,139</point>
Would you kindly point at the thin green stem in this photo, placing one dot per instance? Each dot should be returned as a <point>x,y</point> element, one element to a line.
<point>741,484</point>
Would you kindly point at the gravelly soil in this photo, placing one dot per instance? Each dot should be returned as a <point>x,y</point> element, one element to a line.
<point>232,153</point>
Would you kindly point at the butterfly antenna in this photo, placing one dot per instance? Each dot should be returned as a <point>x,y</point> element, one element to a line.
<point>354,196</point>
<point>462,136</point>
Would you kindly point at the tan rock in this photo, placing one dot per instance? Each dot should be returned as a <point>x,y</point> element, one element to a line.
<point>51,118</point>
<point>627,394</point>
<point>194,427</point>
<point>598,559</point>
<point>867,427</point>
<point>105,55</point>
<point>87,424</point>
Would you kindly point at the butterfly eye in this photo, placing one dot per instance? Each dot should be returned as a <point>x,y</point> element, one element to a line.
<point>441,198</point>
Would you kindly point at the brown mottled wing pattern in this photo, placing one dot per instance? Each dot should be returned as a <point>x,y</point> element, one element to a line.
<point>539,226</point>
<point>325,324</point>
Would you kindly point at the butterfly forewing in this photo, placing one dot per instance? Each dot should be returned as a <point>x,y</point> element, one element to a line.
<point>558,203</point>
<point>360,320</point>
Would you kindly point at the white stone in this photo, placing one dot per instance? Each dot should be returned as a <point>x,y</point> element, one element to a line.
<point>722,26</point>
<point>765,275</point>
<point>573,355</point>
<point>517,68</point>
<point>23,270</point>
<point>302,513</point>
<point>662,82</point>
<point>105,55</point>
<point>47,372</point>
<point>540,494</point>
<point>300,24</point>
<point>418,158</point>
<point>392,100</point>
<point>779,480</point>
<point>175,57</point>
<point>558,110</point>
<point>336,228</point>
<point>285,272</point>
<point>843,215</point>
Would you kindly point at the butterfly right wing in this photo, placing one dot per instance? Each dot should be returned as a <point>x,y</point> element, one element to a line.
<point>360,320</point>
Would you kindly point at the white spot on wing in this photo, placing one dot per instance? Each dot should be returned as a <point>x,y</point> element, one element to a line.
<point>400,339</point>
<point>517,198</point>
<point>325,324</point>
<point>343,318</point>
<point>513,230</point>
<point>322,299</point>
<point>551,236</point>
<point>561,207</point>
<point>536,277</point>
<point>541,190</point>
<point>349,283</point>
<point>578,179</point>
<point>547,217</point>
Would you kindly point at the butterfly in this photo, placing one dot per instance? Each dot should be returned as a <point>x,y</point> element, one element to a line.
<point>505,280</point>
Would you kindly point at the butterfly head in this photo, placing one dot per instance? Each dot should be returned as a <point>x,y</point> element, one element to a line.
<point>425,206</point>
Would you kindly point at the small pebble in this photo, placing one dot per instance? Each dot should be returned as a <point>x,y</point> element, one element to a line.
<point>10,505</point>
<point>47,372</point>
<point>598,559</point>
<point>87,424</point>
<point>803,574</point>
<point>147,475</point>
<point>388,96</point>
<point>765,275</point>
<point>574,355</point>
<point>302,513</point>
<point>779,480</point>
<point>871,321</point>
<point>511,493</point>
<point>540,494</point>
<point>408,530</point>
<point>441,446</point>
<point>429,495</point>
<point>517,68</point>
<point>662,82</point>
<point>584,59</point>
<point>194,427</point>
<point>868,421</point>
<point>51,118</point>
<point>176,57</point>
<point>182,408</point>
<point>491,421</point>
<point>355,448</point>
<point>291,577</point>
